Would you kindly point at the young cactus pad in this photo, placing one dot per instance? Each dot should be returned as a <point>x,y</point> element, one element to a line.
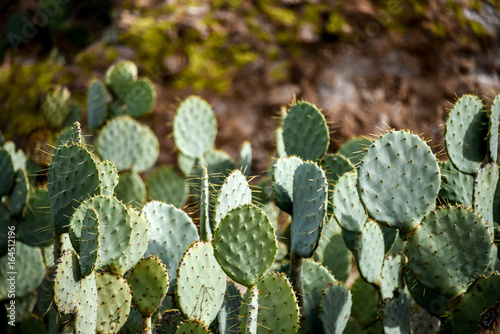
<point>464,134</point>
<point>114,299</point>
<point>278,309</point>
<point>120,76</point>
<point>96,105</point>
<point>399,179</point>
<point>194,115</point>
<point>309,208</point>
<point>149,284</point>
<point>245,244</point>
<point>305,132</point>
<point>234,192</point>
<point>454,238</point>
<point>201,284</point>
<point>283,171</point>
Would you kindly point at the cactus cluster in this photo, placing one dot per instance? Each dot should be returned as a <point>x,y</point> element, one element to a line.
<point>378,237</point>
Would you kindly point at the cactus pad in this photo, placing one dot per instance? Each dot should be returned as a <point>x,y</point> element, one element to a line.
<point>464,133</point>
<point>137,247</point>
<point>252,310</point>
<point>149,283</point>
<point>7,176</point>
<point>171,231</point>
<point>335,308</point>
<point>485,185</point>
<point>245,244</point>
<point>96,105</point>
<point>310,200</point>
<point>67,283</point>
<point>493,124</point>
<point>397,314</point>
<point>245,160</point>
<point>305,132</point>
<point>108,174</point>
<point>192,327</point>
<point>194,115</point>
<point>369,252</point>
<point>114,300</point>
<point>140,98</point>
<point>347,207</point>
<point>278,310</point>
<point>165,185</point>
<point>89,241</point>
<point>57,106</point>
<point>484,293</point>
<point>73,177</point>
<point>399,179</point>
<point>227,318</point>
<point>131,189</point>
<point>354,149</point>
<point>205,222</point>
<point>454,238</point>
<point>201,283</point>
<point>19,193</point>
<point>86,317</point>
<point>283,171</point>
<point>120,76</point>
<point>234,192</point>
<point>391,278</point>
<point>456,187</point>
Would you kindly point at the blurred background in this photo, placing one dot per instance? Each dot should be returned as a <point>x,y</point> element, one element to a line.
<point>370,65</point>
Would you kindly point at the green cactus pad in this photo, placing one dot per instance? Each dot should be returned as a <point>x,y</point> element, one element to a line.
<point>485,185</point>
<point>278,310</point>
<point>245,161</point>
<point>121,142</point>
<point>86,317</point>
<point>205,223</point>
<point>114,300</point>
<point>116,109</point>
<point>332,252</point>
<point>19,193</point>
<point>96,105</point>
<point>185,163</point>
<point>28,270</point>
<point>140,98</point>
<point>283,171</point>
<point>484,293</point>
<point>365,302</point>
<point>234,192</point>
<point>397,314</point>
<point>464,134</point>
<point>228,319</point>
<point>305,132</point>
<point>347,207</point>
<point>310,200</point>
<point>369,252</point>
<point>24,306</point>
<point>165,185</point>
<point>399,179</point>
<point>67,280</point>
<point>493,124</point>
<point>137,247</point>
<point>149,283</point>
<point>7,176</point>
<point>391,278</point>
<point>171,231</point>
<point>149,152</point>
<point>120,77</point>
<point>335,308</point>
<point>169,321</point>
<point>201,283</point>
<point>89,241</point>
<point>192,327</point>
<point>194,115</point>
<point>315,278</point>
<point>244,244</point>
<point>131,190</point>
<point>114,228</point>
<point>391,238</point>
<point>73,177</point>
<point>252,310</point>
<point>451,238</point>
<point>280,145</point>
<point>108,174</point>
<point>354,149</point>
<point>335,165</point>
<point>57,106</point>
<point>456,187</point>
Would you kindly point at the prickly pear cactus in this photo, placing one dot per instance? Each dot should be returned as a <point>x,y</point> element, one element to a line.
<point>399,179</point>
<point>335,308</point>
<point>57,106</point>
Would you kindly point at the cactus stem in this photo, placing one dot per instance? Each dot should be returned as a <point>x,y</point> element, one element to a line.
<point>146,325</point>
